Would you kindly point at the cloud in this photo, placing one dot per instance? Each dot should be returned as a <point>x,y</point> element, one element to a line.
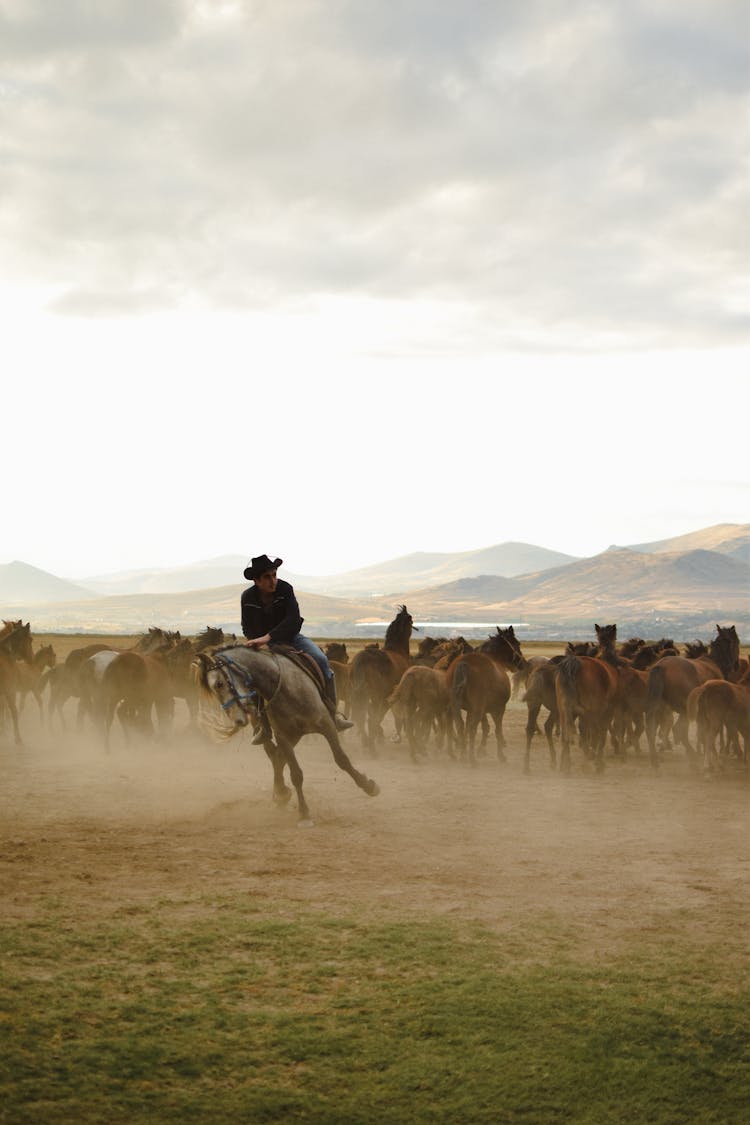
<point>570,172</point>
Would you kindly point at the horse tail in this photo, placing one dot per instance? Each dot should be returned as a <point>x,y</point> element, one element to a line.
<point>655,692</point>
<point>566,688</point>
<point>359,685</point>
<point>459,687</point>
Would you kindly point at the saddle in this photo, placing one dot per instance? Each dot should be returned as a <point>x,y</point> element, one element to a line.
<point>303,661</point>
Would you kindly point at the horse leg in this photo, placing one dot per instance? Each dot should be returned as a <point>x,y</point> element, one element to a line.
<point>651,721</point>
<point>342,760</point>
<point>295,773</point>
<point>472,723</point>
<point>681,732</point>
<point>459,730</point>
<point>550,725</point>
<point>531,730</point>
<point>499,736</point>
<point>281,791</point>
<point>11,702</point>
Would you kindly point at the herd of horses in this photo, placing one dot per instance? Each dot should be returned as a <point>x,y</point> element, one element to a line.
<point>136,684</point>
<point>443,694</point>
<point>593,692</point>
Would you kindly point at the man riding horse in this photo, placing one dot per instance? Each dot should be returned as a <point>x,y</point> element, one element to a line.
<point>270,615</point>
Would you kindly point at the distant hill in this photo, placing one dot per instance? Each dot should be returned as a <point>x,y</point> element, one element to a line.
<point>725,538</point>
<point>21,583</point>
<point>418,569</point>
<point>222,571</point>
<point>132,613</point>
<point>618,584</point>
<point>682,592</point>
<point>504,559</point>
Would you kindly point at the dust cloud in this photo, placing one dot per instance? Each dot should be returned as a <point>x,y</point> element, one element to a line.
<point>613,854</point>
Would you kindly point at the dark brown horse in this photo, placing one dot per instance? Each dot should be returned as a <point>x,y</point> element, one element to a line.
<point>374,674</point>
<point>15,646</point>
<point>134,684</point>
<point>672,678</point>
<point>478,683</point>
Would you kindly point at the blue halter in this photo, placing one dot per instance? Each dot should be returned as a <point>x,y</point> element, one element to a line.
<point>247,681</point>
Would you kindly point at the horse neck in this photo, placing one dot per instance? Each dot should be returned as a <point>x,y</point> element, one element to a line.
<point>263,668</point>
<point>398,645</point>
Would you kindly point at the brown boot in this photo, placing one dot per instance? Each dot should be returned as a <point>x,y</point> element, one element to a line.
<point>342,723</point>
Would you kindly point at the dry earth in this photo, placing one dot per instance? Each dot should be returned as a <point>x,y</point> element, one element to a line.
<point>608,857</point>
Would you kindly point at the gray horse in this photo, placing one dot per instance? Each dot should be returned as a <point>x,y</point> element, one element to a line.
<point>235,676</point>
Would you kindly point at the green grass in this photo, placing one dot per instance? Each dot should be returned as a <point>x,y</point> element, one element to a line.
<point>221,1012</point>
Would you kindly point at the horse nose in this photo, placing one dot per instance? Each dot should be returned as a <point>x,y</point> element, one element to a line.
<point>241,722</point>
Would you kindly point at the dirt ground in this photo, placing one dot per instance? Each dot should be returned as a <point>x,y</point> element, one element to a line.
<point>614,856</point>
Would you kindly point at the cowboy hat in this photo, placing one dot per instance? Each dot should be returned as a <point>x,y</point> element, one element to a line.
<point>260,565</point>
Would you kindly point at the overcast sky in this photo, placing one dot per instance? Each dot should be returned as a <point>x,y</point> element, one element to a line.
<point>341,280</point>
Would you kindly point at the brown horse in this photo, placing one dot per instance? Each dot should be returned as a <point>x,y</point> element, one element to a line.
<point>374,674</point>
<point>672,678</point>
<point>540,692</point>
<point>478,683</point>
<point>423,700</point>
<point>31,677</point>
<point>65,682</point>
<point>586,689</point>
<point>15,646</point>
<point>177,653</point>
<point>338,658</point>
<point>132,684</point>
<point>721,710</point>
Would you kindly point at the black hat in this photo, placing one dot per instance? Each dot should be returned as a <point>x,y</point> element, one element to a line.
<point>260,565</point>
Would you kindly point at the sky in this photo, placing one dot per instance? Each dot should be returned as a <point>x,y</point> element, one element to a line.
<point>340,281</point>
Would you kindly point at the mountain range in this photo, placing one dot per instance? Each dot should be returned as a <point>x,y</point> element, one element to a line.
<point>680,586</point>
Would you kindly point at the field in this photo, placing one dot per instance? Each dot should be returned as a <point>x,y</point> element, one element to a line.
<point>473,945</point>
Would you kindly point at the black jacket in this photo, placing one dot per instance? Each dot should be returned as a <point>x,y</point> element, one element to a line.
<point>281,619</point>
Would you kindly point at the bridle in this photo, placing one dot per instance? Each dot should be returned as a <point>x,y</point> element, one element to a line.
<point>231,668</point>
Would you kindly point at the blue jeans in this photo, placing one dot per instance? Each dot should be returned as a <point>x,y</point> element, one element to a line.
<point>304,644</point>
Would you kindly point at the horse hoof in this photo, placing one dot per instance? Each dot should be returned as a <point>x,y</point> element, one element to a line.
<point>306,822</point>
<point>372,789</point>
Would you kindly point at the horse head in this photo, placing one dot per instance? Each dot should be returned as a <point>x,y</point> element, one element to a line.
<point>725,649</point>
<point>16,640</point>
<point>504,646</point>
<point>216,686</point>
<point>399,631</point>
<point>211,635</point>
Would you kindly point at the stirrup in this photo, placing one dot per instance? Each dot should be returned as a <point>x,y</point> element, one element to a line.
<point>262,735</point>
